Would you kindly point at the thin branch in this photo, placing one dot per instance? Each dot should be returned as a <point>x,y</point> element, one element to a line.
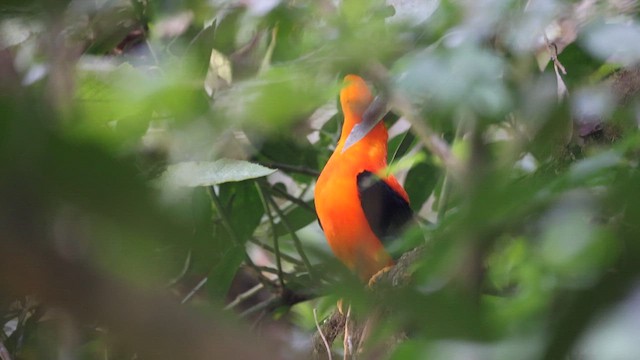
<point>270,303</point>
<point>194,290</point>
<point>268,270</point>
<point>244,296</point>
<point>292,168</point>
<point>270,249</point>
<point>185,268</point>
<point>348,342</point>
<point>324,339</point>
<point>276,242</point>
<point>283,194</point>
<point>557,67</point>
<point>296,241</point>
<point>234,237</point>
<point>286,297</point>
<point>331,328</point>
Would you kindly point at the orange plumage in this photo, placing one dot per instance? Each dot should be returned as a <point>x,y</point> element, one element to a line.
<point>350,212</point>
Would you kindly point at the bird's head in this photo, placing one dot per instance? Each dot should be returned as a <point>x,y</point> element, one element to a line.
<point>355,96</point>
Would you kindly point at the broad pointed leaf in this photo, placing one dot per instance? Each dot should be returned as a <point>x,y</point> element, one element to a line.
<point>206,173</point>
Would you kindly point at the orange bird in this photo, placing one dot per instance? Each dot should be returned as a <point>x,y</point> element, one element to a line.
<point>358,206</point>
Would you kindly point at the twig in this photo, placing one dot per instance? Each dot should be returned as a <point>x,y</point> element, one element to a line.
<point>557,66</point>
<point>331,328</point>
<point>324,339</point>
<point>296,240</point>
<point>348,344</point>
<point>286,297</point>
<point>554,54</point>
<point>185,268</point>
<point>268,270</point>
<point>276,243</point>
<point>264,305</point>
<point>194,290</point>
<point>278,192</point>
<point>292,168</point>
<point>244,296</point>
<point>284,256</point>
<point>234,237</point>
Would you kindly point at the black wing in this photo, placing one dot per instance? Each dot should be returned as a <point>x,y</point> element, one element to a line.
<point>386,211</point>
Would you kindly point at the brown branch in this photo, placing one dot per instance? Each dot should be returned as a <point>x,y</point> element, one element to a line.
<point>270,249</point>
<point>396,276</point>
<point>324,339</point>
<point>331,328</point>
<point>226,222</point>
<point>286,298</point>
<point>400,273</point>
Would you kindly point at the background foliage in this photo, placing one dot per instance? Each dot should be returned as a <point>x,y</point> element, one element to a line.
<point>158,161</point>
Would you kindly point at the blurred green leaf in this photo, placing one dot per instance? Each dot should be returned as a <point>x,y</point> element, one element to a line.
<point>614,42</point>
<point>536,241</point>
<point>267,101</point>
<point>116,103</point>
<point>598,166</point>
<point>469,76</point>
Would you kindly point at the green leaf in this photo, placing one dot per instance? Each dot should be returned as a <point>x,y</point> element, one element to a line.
<point>243,207</point>
<point>400,145</point>
<point>420,182</point>
<point>599,165</point>
<point>207,173</point>
<point>116,103</point>
<point>224,271</point>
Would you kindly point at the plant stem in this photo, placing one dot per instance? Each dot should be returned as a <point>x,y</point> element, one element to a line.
<point>276,243</point>
<point>234,237</point>
<point>296,240</point>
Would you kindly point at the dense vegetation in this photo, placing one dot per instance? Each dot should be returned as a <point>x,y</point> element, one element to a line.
<point>158,158</point>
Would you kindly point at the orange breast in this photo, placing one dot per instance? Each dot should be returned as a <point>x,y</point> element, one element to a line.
<point>339,209</point>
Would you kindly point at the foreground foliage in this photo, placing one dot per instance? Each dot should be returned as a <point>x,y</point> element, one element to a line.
<point>158,163</point>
